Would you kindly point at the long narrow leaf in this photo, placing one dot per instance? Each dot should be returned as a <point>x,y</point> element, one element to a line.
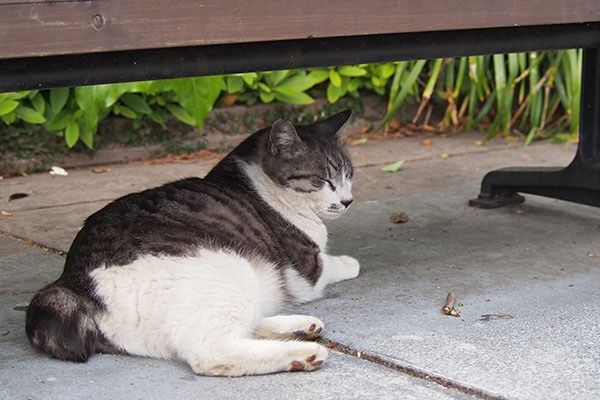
<point>408,83</point>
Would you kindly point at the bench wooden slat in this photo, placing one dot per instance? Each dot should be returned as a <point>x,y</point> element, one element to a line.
<point>34,28</point>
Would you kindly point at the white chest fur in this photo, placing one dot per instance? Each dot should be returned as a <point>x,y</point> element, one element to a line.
<point>289,204</point>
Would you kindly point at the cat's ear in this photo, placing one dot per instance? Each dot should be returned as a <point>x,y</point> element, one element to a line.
<point>283,139</point>
<point>335,125</point>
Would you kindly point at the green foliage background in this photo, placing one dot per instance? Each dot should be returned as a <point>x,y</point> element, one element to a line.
<point>535,94</point>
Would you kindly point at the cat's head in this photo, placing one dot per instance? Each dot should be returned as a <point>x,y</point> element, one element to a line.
<point>311,162</point>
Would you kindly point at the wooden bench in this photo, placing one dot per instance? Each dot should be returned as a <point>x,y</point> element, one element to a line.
<point>46,44</point>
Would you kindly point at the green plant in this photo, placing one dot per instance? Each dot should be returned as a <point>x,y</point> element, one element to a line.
<point>534,95</point>
<point>515,93</point>
<point>74,113</point>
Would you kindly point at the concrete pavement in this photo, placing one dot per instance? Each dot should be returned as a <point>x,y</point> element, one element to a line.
<point>526,279</point>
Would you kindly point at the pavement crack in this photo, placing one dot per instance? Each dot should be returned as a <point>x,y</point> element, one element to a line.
<point>432,157</point>
<point>75,203</point>
<point>35,244</point>
<point>409,370</point>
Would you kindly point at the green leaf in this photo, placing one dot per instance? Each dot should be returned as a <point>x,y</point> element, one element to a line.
<point>91,100</point>
<point>352,71</point>
<point>388,70</point>
<point>9,118</point>
<point>333,92</point>
<point>114,93</point>
<point>8,106</point>
<point>161,86</point>
<point>59,121</point>
<point>17,95</point>
<point>395,167</point>
<point>160,116</point>
<point>39,104</point>
<point>86,137</point>
<point>335,78</point>
<point>30,115</point>
<point>198,95</point>
<point>353,85</point>
<point>319,75</point>
<point>181,114</point>
<point>293,97</point>
<point>58,99</point>
<point>298,83</point>
<point>264,87</point>
<point>124,111</point>
<point>136,103</point>
<point>273,78</point>
<point>249,78</point>
<point>72,133</point>
<point>235,84</point>
<point>399,99</point>
<point>267,97</point>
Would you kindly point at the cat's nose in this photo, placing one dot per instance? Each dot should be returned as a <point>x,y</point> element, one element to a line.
<point>347,203</point>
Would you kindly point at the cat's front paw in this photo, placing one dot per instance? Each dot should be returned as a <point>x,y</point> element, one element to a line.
<point>351,266</point>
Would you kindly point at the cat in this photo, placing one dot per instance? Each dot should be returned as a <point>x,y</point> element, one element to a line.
<point>199,269</point>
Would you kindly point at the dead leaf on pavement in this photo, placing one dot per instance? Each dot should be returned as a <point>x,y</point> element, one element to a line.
<point>359,142</point>
<point>399,217</point>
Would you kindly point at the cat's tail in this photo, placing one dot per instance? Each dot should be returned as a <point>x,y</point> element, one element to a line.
<point>61,323</point>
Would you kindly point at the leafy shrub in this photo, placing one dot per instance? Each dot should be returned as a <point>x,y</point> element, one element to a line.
<point>531,94</point>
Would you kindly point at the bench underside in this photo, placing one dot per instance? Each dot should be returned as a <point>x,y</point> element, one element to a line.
<point>579,182</point>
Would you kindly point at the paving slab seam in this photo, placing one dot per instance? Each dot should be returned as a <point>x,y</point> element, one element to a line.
<point>410,370</point>
<point>35,244</point>
<point>430,158</point>
<point>75,203</point>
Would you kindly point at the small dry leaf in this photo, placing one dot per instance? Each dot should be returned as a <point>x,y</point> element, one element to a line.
<point>359,141</point>
<point>394,124</point>
<point>100,170</point>
<point>427,142</point>
<point>399,218</point>
<point>364,130</point>
<point>230,99</point>
<point>445,156</point>
<point>6,214</point>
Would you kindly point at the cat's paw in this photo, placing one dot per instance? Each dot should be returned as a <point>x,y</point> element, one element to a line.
<point>311,361</point>
<point>351,267</point>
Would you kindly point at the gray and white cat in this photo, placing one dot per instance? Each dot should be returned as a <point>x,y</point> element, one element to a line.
<point>199,269</point>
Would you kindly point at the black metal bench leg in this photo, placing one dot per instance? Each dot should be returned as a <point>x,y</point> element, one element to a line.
<point>580,181</point>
